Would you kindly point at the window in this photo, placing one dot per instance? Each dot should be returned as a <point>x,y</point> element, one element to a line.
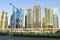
<point>6,13</point>
<point>2,17</point>
<point>21,15</point>
<point>17,20</point>
<point>6,17</point>
<point>21,25</point>
<point>3,13</point>
<point>6,22</point>
<point>37,13</point>
<point>21,20</point>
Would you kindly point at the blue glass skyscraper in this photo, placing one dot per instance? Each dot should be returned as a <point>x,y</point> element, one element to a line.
<point>19,18</point>
<point>18,13</point>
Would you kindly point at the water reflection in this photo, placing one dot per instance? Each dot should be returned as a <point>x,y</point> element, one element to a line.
<point>24,38</point>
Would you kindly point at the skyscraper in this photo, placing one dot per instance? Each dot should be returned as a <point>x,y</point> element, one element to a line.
<point>14,19</point>
<point>43,22</point>
<point>18,13</point>
<point>59,22</point>
<point>48,17</point>
<point>51,18</point>
<point>29,18</point>
<point>4,19</point>
<point>26,21</point>
<point>0,21</point>
<point>37,17</point>
<point>55,18</point>
<point>11,22</point>
<point>19,18</point>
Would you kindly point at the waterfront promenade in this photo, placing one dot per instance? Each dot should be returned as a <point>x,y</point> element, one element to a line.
<point>36,30</point>
<point>25,30</point>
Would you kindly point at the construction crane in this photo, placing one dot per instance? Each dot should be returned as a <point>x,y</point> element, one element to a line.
<point>14,16</point>
<point>13,5</point>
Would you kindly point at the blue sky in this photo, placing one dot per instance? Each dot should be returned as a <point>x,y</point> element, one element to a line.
<point>4,4</point>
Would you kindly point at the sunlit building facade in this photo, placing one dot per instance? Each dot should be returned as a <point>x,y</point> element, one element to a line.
<point>51,19</point>
<point>29,18</point>
<point>4,19</point>
<point>59,22</point>
<point>0,21</point>
<point>37,17</point>
<point>43,22</point>
<point>48,17</point>
<point>55,18</point>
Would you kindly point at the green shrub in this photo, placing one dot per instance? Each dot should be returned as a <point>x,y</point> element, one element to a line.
<point>4,33</point>
<point>40,36</point>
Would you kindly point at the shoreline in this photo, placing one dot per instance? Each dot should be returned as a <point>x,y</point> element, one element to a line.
<point>31,35</point>
<point>37,36</point>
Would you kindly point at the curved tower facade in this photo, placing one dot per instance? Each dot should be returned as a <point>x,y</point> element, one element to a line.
<point>4,19</point>
<point>29,18</point>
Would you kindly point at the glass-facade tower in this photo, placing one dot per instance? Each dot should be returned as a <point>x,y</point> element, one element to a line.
<point>18,13</point>
<point>19,18</point>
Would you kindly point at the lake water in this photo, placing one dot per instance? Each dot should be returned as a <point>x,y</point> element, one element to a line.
<point>24,38</point>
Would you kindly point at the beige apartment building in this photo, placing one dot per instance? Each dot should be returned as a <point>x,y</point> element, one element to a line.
<point>37,17</point>
<point>29,18</point>
<point>4,20</point>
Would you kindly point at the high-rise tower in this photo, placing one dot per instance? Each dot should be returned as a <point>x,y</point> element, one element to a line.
<point>26,21</point>
<point>19,18</point>
<point>37,17</point>
<point>51,18</point>
<point>55,18</point>
<point>29,18</point>
<point>4,19</point>
<point>0,21</point>
<point>48,17</point>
